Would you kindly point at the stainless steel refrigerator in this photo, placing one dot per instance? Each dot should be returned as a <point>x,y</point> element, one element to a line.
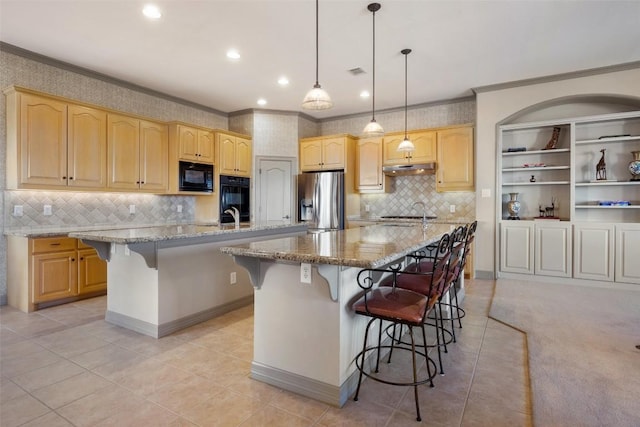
<point>321,200</point>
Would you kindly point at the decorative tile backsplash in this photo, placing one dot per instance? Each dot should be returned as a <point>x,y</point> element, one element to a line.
<point>86,209</point>
<point>406,190</point>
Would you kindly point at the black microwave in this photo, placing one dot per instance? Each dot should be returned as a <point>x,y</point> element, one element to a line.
<point>196,177</point>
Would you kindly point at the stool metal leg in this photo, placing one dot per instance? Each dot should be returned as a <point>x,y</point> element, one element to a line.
<point>364,351</point>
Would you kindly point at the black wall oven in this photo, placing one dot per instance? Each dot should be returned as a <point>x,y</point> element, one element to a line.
<point>196,177</point>
<point>234,192</point>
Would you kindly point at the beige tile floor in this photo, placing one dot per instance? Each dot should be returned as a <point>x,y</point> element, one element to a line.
<point>65,366</point>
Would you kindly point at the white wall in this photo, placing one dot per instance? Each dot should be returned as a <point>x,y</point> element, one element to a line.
<point>495,106</point>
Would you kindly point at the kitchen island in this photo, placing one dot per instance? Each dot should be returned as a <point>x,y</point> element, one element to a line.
<point>305,333</point>
<point>161,279</point>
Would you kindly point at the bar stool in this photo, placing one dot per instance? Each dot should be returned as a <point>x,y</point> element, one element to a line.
<point>398,306</point>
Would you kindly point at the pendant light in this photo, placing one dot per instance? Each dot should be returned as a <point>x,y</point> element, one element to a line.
<point>406,144</point>
<point>317,98</point>
<point>373,129</point>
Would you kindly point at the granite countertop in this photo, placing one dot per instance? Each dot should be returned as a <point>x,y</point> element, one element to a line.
<point>178,231</point>
<point>453,220</point>
<point>364,247</point>
<point>129,233</point>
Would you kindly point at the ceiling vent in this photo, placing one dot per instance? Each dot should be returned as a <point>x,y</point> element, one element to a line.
<point>356,71</point>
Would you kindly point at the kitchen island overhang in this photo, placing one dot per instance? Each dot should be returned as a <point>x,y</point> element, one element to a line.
<point>306,335</point>
<point>165,278</point>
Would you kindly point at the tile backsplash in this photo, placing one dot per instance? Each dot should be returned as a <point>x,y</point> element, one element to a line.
<point>406,190</point>
<point>86,209</point>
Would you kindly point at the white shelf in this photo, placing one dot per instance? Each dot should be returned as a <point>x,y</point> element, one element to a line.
<point>521,153</point>
<point>602,184</point>
<point>606,207</point>
<point>505,184</point>
<point>601,140</point>
<point>535,168</point>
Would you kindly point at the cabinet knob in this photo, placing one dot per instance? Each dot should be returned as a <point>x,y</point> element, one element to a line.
<point>73,259</point>
<point>64,177</point>
<point>70,177</point>
<point>81,258</point>
<point>142,182</point>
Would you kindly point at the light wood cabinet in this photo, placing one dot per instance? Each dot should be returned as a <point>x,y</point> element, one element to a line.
<point>195,144</point>
<point>455,160</point>
<point>235,154</point>
<point>52,143</point>
<point>424,142</point>
<point>138,153</point>
<point>326,153</point>
<point>369,176</point>
<point>51,270</point>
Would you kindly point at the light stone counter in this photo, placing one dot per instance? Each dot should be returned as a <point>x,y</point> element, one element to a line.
<point>306,333</point>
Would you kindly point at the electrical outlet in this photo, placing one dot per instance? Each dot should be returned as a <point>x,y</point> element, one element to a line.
<point>179,208</point>
<point>17,210</point>
<point>305,272</point>
<point>367,208</point>
<point>132,209</point>
<point>47,210</point>
<point>486,192</point>
<point>452,208</point>
<point>233,278</point>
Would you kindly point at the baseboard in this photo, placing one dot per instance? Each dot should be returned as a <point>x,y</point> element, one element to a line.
<point>570,281</point>
<point>159,331</point>
<point>3,300</point>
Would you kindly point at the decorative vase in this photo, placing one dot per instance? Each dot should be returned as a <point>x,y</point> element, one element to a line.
<point>634,166</point>
<point>513,206</point>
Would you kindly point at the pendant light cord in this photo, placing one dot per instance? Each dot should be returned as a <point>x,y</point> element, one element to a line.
<point>373,113</point>
<point>317,83</point>
<point>405,94</point>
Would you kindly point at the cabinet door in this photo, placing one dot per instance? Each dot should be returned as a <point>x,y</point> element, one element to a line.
<point>54,275</point>
<point>390,153</point>
<point>188,143</point>
<point>123,147</point>
<point>227,157</point>
<point>206,145</point>
<point>425,143</point>
<point>628,253</point>
<point>311,155</point>
<point>593,251</point>
<point>43,141</point>
<point>455,160</point>
<point>154,156</point>
<point>333,150</point>
<point>369,165</point>
<point>553,245</point>
<point>92,272</point>
<point>87,147</point>
<point>516,247</point>
<point>244,157</point>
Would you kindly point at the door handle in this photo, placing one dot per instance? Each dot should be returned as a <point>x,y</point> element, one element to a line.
<point>286,217</point>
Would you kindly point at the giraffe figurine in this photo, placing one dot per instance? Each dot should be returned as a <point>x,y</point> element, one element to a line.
<point>554,139</point>
<point>601,168</point>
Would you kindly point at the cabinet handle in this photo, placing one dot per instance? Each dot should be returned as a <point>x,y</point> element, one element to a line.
<point>70,177</point>
<point>142,182</point>
<point>55,244</point>
<point>64,177</point>
<point>73,260</point>
<point>81,258</point>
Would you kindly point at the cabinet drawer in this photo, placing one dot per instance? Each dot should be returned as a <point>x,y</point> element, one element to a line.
<point>50,244</point>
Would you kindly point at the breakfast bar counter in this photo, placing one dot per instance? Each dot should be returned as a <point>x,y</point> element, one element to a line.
<point>305,333</point>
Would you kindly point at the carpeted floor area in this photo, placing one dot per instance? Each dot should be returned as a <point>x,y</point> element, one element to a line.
<point>583,361</point>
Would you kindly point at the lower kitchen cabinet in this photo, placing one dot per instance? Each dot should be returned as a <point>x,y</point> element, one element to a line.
<point>45,271</point>
<point>594,251</point>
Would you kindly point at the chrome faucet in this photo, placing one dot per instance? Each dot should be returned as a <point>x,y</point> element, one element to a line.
<point>235,214</point>
<point>424,213</point>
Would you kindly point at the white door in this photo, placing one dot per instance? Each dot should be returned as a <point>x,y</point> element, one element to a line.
<point>275,184</point>
<point>627,253</point>
<point>593,251</point>
<point>553,249</point>
<point>516,247</point>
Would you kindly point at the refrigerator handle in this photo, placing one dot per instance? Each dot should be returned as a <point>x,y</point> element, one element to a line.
<point>316,198</point>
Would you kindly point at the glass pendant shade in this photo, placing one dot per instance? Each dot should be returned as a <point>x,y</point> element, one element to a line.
<point>317,99</point>
<point>372,130</point>
<point>406,145</point>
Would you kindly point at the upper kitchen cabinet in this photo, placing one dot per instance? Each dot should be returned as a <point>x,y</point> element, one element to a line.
<point>326,152</point>
<point>52,143</point>
<point>138,153</point>
<point>423,140</point>
<point>455,159</point>
<point>235,154</point>
<point>369,176</point>
<point>194,144</point>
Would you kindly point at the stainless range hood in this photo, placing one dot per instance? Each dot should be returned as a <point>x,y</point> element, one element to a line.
<point>415,169</point>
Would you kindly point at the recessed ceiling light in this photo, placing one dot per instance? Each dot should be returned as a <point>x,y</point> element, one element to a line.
<point>233,54</point>
<point>364,94</point>
<point>262,101</point>
<point>283,81</point>
<point>151,11</point>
